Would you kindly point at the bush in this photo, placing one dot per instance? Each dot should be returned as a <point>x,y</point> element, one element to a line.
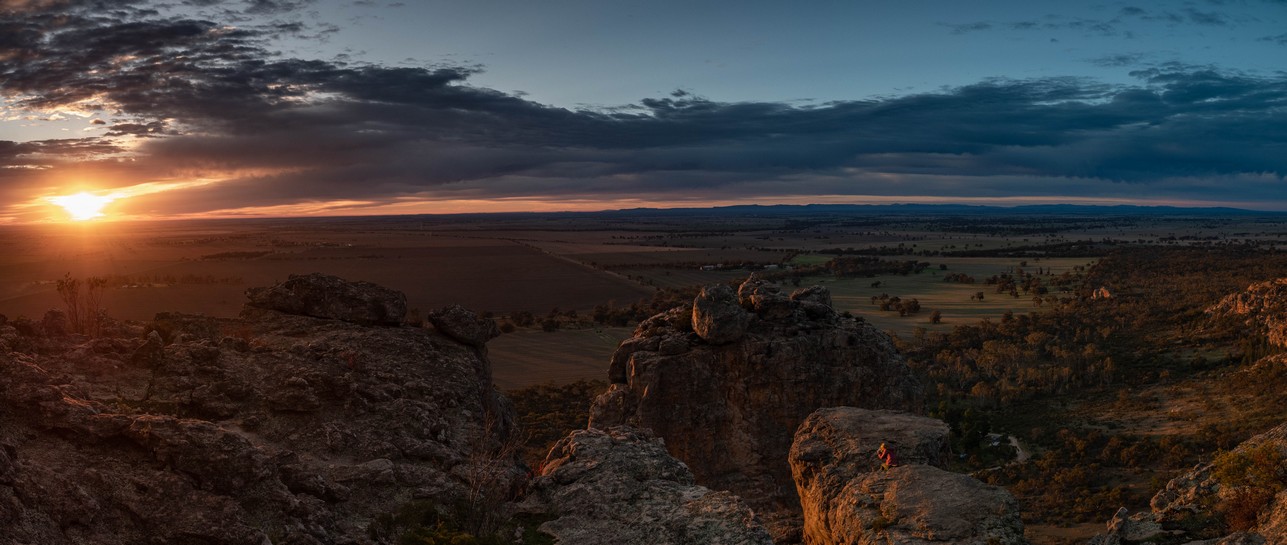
<point>1253,477</point>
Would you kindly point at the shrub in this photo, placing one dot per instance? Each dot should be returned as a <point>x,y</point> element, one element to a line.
<point>1252,476</point>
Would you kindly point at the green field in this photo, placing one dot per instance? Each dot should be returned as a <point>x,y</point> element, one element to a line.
<point>952,299</point>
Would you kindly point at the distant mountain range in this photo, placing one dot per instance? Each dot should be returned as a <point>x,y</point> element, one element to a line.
<point>944,210</point>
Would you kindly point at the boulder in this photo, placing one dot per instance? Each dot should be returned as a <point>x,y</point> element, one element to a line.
<point>464,325</point>
<point>848,498</point>
<point>856,434</point>
<point>717,317</point>
<point>764,298</point>
<point>326,296</point>
<point>729,411</point>
<point>813,294</point>
<point>618,486</point>
<point>151,353</point>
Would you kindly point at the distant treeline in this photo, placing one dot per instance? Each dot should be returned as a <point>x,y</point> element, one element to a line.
<point>130,280</point>
<point>236,255</point>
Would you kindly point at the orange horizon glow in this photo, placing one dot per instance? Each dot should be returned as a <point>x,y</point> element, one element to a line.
<point>88,206</point>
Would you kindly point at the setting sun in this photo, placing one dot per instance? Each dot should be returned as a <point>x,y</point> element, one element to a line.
<point>82,206</point>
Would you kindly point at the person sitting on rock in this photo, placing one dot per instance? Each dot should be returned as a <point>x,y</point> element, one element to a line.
<point>886,455</point>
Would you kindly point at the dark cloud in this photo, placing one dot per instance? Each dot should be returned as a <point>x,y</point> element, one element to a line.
<point>1210,18</point>
<point>215,103</point>
<point>1280,39</point>
<point>1118,60</point>
<point>970,27</point>
<point>274,7</point>
<point>1114,26</point>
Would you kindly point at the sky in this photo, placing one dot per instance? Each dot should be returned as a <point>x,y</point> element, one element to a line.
<point>201,108</point>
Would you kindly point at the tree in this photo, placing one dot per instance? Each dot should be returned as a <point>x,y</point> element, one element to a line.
<point>84,308</point>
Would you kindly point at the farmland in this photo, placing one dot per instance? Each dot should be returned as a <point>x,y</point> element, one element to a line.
<point>572,263</point>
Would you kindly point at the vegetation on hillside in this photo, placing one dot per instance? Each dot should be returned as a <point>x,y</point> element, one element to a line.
<point>1064,379</point>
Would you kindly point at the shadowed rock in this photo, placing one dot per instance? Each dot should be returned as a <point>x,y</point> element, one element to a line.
<point>55,323</point>
<point>464,325</point>
<point>619,486</point>
<point>296,430</point>
<point>326,296</point>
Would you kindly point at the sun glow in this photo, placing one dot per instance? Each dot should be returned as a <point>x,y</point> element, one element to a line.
<point>83,206</point>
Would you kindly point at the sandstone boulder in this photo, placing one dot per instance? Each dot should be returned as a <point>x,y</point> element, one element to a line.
<point>619,486</point>
<point>729,411</point>
<point>717,317</point>
<point>326,296</point>
<point>847,497</point>
<point>764,298</point>
<point>464,325</point>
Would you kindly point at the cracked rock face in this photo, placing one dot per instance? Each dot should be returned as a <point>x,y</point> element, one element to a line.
<point>619,487</point>
<point>729,409</point>
<point>272,427</point>
<point>1262,307</point>
<point>848,498</point>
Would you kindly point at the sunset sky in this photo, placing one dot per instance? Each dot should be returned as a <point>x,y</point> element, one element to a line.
<point>201,108</point>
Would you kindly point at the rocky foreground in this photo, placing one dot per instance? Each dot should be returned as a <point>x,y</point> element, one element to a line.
<point>303,421</point>
<point>319,417</point>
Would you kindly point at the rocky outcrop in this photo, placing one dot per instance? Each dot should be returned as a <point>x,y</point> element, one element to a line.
<point>848,498</point>
<point>717,316</point>
<point>729,409</point>
<point>464,325</point>
<point>272,427</point>
<point>619,486</point>
<point>325,296</point>
<point>1262,306</point>
<point>1192,508</point>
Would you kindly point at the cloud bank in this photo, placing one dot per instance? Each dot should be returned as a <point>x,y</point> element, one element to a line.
<point>189,99</point>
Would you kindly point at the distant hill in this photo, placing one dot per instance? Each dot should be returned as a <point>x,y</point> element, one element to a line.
<point>944,210</point>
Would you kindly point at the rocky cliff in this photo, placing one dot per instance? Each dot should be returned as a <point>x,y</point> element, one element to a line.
<point>619,487</point>
<point>849,499</point>
<point>304,421</point>
<point>1238,499</point>
<point>727,381</point>
<point>1262,306</point>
